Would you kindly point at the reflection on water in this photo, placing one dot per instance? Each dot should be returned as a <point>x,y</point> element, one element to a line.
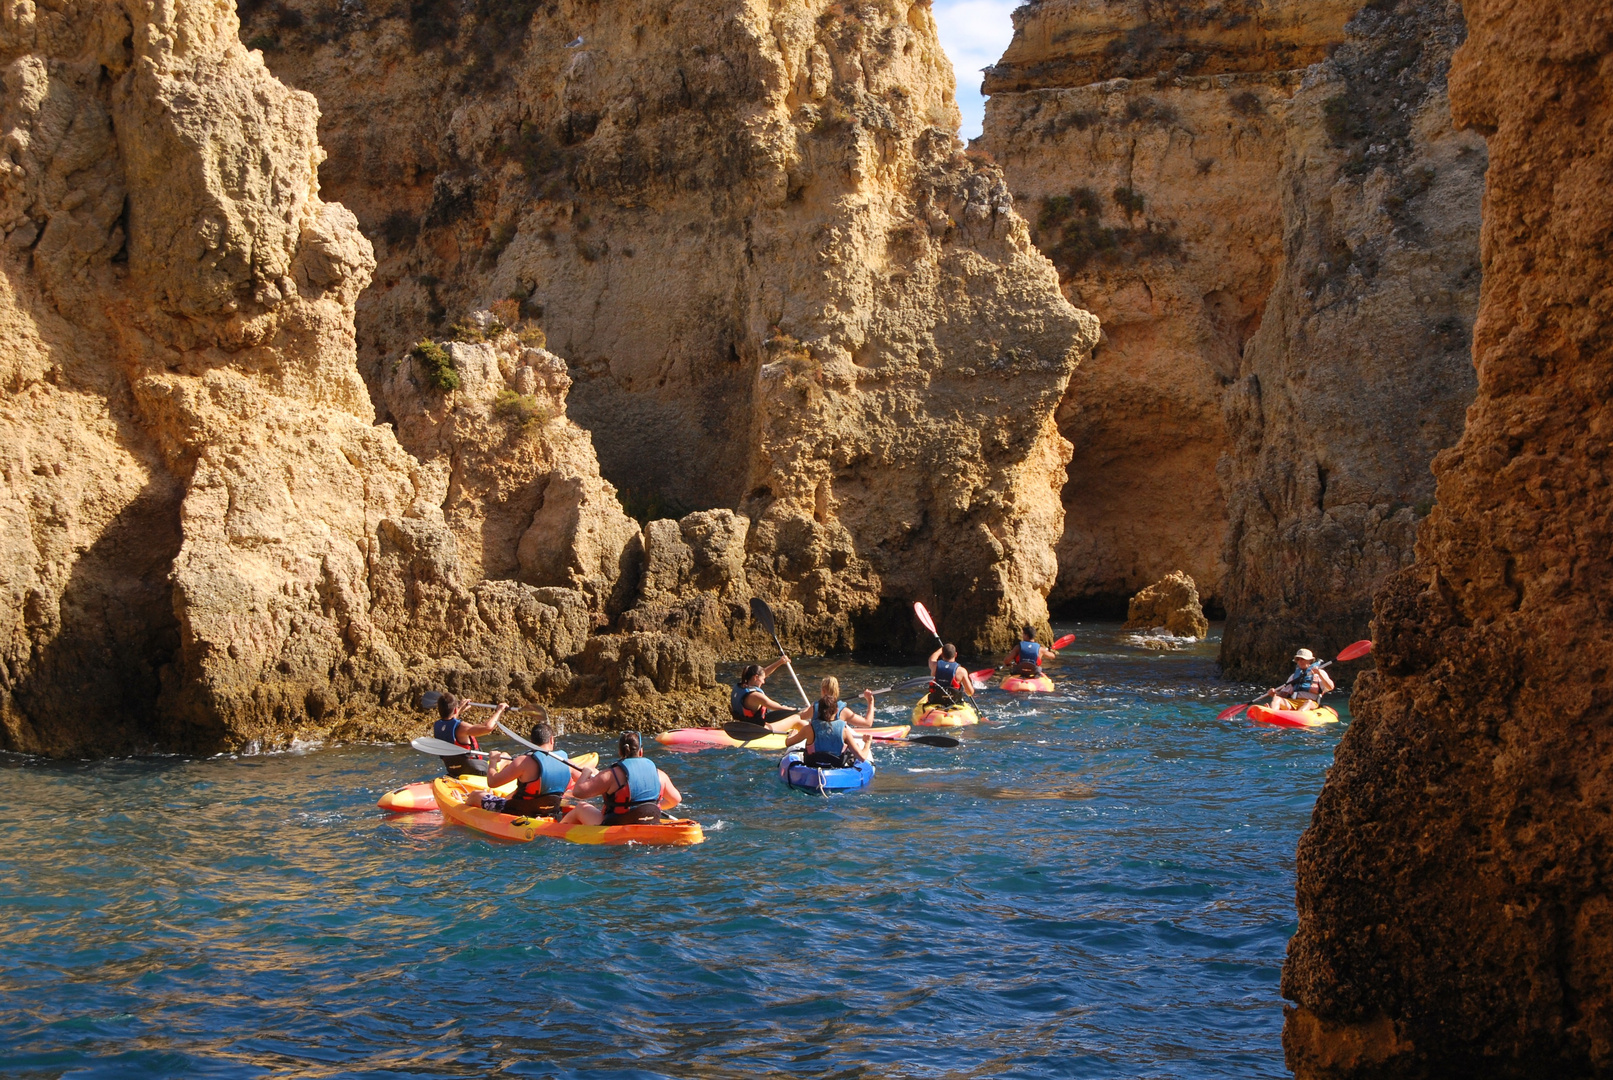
<point>1098,883</point>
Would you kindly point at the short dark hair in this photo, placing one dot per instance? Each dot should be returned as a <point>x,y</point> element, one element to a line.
<point>950,652</point>
<point>1028,632</point>
<point>628,745</point>
<point>750,672</point>
<point>446,705</point>
<point>542,733</point>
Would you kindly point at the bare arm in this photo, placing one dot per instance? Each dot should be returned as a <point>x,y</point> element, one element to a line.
<point>853,720</point>
<point>670,796</point>
<point>860,747</point>
<point>601,783</point>
<point>936,655</point>
<point>484,727</point>
<point>968,681</point>
<point>511,769</point>
<point>775,665</point>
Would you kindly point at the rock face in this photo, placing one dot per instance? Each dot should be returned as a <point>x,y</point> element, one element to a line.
<point>207,539</point>
<point>1454,910</point>
<point>784,292</point>
<point>1268,208</point>
<point>1171,602</point>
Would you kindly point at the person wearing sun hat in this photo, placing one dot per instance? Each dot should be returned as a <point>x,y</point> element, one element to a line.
<point>1305,687</point>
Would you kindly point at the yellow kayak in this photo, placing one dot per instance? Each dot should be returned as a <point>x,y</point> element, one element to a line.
<point>460,803</point>
<point>416,798</point>
<point>1291,718</point>
<point>960,715</point>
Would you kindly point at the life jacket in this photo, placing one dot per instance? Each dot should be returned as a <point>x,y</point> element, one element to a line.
<point>736,702</point>
<point>828,736</point>
<point>946,674</point>
<point>639,797</point>
<point>1304,682</point>
<point>553,777</point>
<point>1030,655</point>
<point>448,731</point>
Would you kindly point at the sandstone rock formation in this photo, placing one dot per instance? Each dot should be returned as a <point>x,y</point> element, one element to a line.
<point>207,539</point>
<point>1172,602</point>
<point>1267,207</point>
<point>1453,901</point>
<point>783,291</point>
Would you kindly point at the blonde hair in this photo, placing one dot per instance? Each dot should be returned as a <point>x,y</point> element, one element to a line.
<point>830,688</point>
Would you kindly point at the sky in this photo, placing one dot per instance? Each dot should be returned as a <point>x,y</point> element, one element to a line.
<point>974,34</point>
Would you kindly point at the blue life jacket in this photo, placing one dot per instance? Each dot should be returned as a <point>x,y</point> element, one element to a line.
<point>1304,683</point>
<point>553,777</point>
<point>643,785</point>
<point>1030,653</point>
<point>448,731</point>
<point>736,702</point>
<point>828,736</point>
<point>946,673</point>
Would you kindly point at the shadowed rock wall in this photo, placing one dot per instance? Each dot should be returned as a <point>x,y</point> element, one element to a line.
<point>1453,901</point>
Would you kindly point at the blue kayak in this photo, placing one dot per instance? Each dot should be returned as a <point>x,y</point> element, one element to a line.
<point>798,775</point>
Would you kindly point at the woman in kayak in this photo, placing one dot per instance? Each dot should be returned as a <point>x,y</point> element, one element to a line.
<point>541,778</point>
<point>635,790</point>
<point>1304,688</point>
<point>749,704</point>
<point>450,728</point>
<point>1025,658</point>
<point>947,675</point>
<point>830,739</point>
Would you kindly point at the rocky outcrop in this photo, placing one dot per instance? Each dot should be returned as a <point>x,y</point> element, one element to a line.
<point>1171,604</point>
<point>1453,903</point>
<point>1267,207</point>
<point>783,290</point>
<point>208,541</point>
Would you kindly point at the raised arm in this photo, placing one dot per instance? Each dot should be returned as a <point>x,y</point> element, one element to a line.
<point>775,665</point>
<point>510,770</point>
<point>484,727</point>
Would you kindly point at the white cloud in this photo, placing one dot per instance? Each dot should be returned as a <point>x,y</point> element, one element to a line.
<point>974,34</point>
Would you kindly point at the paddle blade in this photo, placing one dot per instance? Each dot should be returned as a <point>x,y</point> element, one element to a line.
<point>739,729</point>
<point>983,674</point>
<point>441,748</point>
<point>1229,713</point>
<point>1067,639</point>
<point>924,617</point>
<point>913,683</point>
<point>1355,652</point>
<point>429,699</point>
<point>933,740</point>
<point>763,616</point>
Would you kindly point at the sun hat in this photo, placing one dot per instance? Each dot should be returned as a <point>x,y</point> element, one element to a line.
<point>1304,654</point>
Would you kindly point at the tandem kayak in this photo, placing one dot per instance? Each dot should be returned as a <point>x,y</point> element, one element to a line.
<point>1019,683</point>
<point>417,798</point>
<point>704,738</point>
<point>794,772</point>
<point>460,803</point>
<point>1291,719</point>
<point>960,715</point>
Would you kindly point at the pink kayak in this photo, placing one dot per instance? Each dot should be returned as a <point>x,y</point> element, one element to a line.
<point>1020,683</point>
<point>1289,718</point>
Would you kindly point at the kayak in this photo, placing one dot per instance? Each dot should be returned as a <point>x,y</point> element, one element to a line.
<point>1013,683</point>
<point>794,772</point>
<point>1289,718</point>
<point>415,798</point>
<point>707,738</point>
<point>452,794</point>
<point>960,715</point>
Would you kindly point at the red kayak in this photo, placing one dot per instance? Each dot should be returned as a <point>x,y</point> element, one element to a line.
<point>1291,718</point>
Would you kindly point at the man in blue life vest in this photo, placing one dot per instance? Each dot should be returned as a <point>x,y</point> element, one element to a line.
<point>830,738</point>
<point>948,677</point>
<point>450,728</point>
<point>540,779</point>
<point>748,703</point>
<point>1025,658</point>
<point>635,790</point>
<point>1304,689</point>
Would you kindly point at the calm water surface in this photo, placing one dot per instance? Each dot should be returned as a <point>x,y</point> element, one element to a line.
<point>1100,883</point>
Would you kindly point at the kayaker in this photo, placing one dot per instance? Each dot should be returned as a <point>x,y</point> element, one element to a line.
<point>541,779</point>
<point>450,728</point>
<point>1305,687</point>
<point>1025,658</point>
<point>947,675</point>
<point>747,702</point>
<point>830,739</point>
<point>635,790</point>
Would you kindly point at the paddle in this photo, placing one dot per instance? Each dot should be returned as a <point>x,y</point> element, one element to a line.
<point>439,748</point>
<point>538,749</point>
<point>429,700</point>
<point>923,614</point>
<point>1350,652</point>
<point>740,729</point>
<point>764,618</point>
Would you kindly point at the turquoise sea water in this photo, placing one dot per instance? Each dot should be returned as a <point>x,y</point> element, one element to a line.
<point>1100,883</point>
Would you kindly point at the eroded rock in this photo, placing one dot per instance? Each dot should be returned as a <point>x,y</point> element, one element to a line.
<point>1170,604</point>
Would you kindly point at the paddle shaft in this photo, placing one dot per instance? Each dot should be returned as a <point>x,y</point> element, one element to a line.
<point>538,749</point>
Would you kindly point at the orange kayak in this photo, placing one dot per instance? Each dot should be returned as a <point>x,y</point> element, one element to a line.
<point>418,798</point>
<point>460,804</point>
<point>1013,683</point>
<point>1291,719</point>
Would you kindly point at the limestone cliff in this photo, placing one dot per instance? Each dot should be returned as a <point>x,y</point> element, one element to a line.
<point>1267,207</point>
<point>1453,900</point>
<point>784,292</point>
<point>207,539</point>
